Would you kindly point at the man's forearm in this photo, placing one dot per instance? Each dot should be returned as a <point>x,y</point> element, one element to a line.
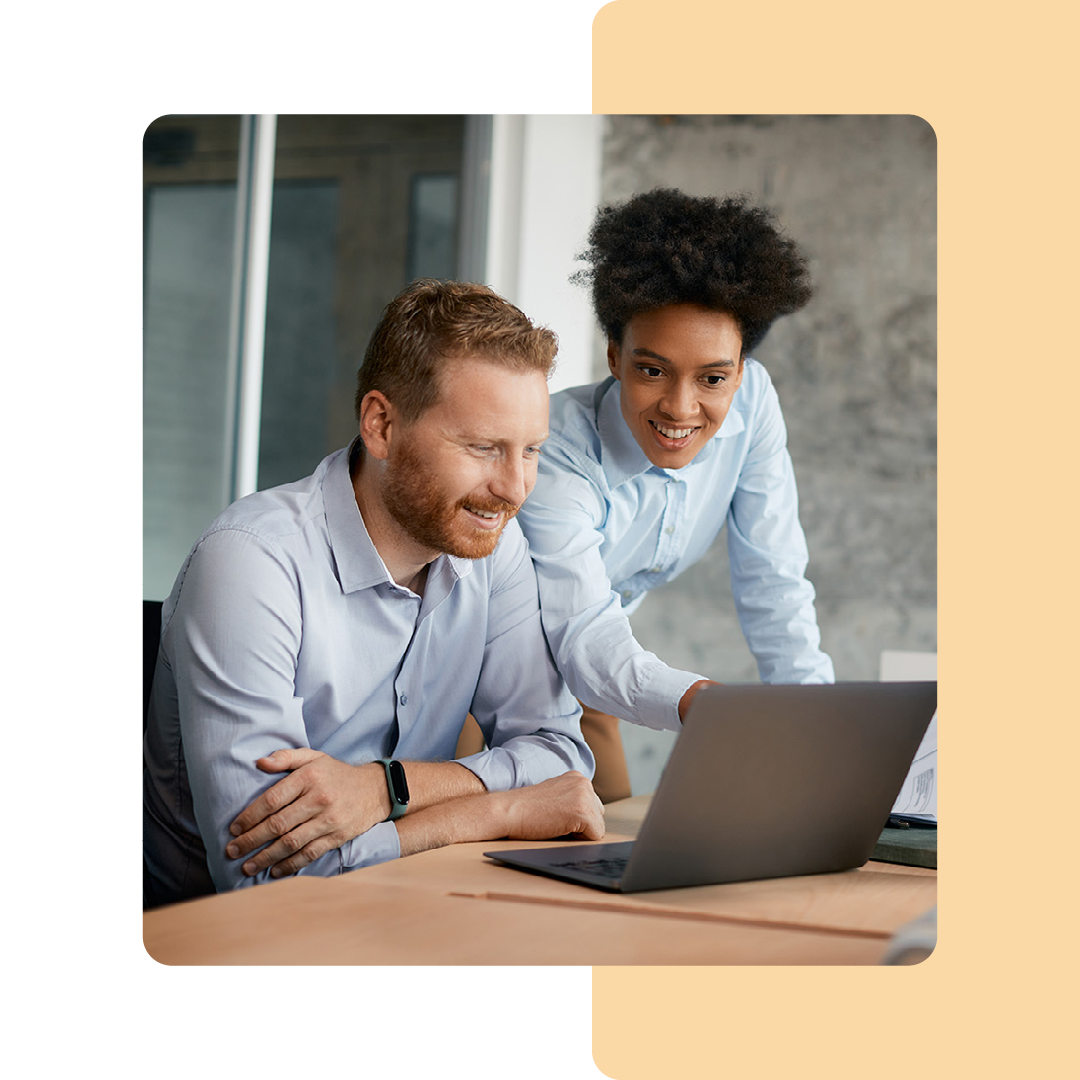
<point>459,821</point>
<point>434,782</point>
<point>559,806</point>
<point>564,805</point>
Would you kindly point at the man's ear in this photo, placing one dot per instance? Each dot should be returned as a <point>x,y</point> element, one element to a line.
<point>613,356</point>
<point>377,421</point>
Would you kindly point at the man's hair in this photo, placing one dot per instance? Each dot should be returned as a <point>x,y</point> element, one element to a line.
<point>430,322</point>
<point>665,247</point>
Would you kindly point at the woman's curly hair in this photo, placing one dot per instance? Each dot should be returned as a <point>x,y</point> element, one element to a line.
<point>665,247</point>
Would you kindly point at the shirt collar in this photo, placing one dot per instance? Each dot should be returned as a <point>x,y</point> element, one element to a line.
<point>623,459</point>
<point>359,564</point>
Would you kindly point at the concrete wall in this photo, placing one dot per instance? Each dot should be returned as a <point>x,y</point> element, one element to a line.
<point>855,371</point>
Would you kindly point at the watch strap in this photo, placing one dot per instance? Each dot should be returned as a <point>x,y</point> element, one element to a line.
<point>397,787</point>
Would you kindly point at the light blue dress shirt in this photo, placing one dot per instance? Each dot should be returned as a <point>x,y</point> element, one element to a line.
<point>285,629</point>
<point>605,526</point>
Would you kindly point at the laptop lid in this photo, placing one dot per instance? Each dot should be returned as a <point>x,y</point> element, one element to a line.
<point>768,781</point>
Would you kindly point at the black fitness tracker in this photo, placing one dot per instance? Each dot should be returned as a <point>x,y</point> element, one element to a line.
<point>397,786</point>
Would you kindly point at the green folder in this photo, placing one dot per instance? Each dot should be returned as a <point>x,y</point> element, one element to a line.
<point>909,847</point>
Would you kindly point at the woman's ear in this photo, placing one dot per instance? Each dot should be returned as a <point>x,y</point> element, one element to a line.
<point>614,355</point>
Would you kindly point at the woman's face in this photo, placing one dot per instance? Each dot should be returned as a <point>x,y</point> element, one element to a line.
<point>679,367</point>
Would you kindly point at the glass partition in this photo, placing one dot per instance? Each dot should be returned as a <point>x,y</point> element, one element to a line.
<point>361,205</point>
<point>189,216</point>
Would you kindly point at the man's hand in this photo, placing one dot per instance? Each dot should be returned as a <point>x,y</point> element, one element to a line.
<point>562,806</point>
<point>684,701</point>
<point>322,804</point>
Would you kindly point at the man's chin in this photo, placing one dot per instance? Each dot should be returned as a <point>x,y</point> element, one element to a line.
<point>474,544</point>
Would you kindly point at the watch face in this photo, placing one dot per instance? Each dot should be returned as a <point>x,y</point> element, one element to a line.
<point>398,784</point>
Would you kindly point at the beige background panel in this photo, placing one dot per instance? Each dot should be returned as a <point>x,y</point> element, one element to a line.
<point>989,1000</point>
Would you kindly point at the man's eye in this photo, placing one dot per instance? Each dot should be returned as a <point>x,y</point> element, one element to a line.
<point>532,451</point>
<point>714,380</point>
<point>652,372</point>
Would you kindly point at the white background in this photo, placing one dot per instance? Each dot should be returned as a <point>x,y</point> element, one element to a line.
<point>81,84</point>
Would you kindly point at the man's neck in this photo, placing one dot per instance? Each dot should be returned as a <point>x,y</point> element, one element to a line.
<point>405,559</point>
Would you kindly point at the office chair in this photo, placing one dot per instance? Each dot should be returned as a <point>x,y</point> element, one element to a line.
<point>151,621</point>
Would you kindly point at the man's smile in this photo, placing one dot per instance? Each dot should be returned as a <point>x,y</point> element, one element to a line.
<point>488,519</point>
<point>488,514</point>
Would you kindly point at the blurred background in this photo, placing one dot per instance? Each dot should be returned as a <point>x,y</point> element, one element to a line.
<point>271,245</point>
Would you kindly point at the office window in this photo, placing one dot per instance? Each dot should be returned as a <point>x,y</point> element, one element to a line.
<point>361,205</point>
<point>189,221</point>
<point>433,217</point>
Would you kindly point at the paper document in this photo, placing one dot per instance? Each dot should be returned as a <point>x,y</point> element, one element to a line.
<point>918,796</point>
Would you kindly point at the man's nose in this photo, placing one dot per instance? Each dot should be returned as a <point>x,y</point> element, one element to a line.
<point>513,481</point>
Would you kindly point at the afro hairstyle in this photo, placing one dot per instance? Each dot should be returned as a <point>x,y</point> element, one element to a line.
<point>665,247</point>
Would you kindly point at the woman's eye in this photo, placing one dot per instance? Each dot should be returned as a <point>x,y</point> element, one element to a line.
<point>651,372</point>
<point>714,380</point>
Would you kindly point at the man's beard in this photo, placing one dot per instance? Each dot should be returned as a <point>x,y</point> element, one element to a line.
<point>418,505</point>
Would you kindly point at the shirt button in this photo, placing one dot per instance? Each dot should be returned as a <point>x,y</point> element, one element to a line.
<point>669,530</point>
<point>404,699</point>
<point>627,594</point>
<point>657,569</point>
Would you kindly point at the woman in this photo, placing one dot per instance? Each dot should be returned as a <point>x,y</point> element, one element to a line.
<point>642,470</point>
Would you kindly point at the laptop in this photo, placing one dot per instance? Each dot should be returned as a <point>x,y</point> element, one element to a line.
<point>763,781</point>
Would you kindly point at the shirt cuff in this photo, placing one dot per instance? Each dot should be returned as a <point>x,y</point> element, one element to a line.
<point>657,706</point>
<point>379,844</point>
<point>494,768</point>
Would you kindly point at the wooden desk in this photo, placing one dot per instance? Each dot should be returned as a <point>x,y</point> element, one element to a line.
<point>452,906</point>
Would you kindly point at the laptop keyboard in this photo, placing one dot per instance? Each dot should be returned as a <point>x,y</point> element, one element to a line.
<point>609,868</point>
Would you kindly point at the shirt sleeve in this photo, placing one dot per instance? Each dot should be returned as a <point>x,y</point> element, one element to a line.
<point>590,636</point>
<point>233,639</point>
<point>529,718</point>
<point>768,556</point>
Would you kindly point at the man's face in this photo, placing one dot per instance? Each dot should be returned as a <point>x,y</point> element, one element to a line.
<point>459,473</point>
<point>679,367</point>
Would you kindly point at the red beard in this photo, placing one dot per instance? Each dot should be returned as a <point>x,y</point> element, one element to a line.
<point>417,503</point>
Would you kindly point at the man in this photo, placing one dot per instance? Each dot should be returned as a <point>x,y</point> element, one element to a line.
<point>643,469</point>
<point>338,630</point>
